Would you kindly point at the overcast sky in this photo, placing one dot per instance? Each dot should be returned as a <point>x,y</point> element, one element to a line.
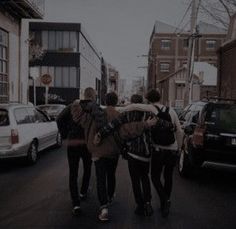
<point>120,29</point>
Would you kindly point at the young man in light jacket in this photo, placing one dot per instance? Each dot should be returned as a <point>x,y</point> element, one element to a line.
<point>164,157</point>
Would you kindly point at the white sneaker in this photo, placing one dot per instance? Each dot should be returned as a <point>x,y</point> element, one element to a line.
<point>103,215</point>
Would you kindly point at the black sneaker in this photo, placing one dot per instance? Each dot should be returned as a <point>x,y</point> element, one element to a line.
<point>139,210</point>
<point>76,210</point>
<point>148,210</point>
<point>165,209</point>
<point>111,200</point>
<point>83,196</point>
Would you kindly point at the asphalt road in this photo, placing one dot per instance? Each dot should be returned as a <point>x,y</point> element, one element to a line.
<point>38,197</point>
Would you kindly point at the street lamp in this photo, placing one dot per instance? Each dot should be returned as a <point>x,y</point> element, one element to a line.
<point>34,73</point>
<point>153,60</point>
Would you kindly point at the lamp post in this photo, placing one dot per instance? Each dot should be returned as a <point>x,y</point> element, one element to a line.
<point>34,73</point>
<point>151,60</point>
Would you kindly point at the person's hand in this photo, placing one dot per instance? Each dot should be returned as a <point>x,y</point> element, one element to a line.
<point>97,139</point>
<point>151,121</point>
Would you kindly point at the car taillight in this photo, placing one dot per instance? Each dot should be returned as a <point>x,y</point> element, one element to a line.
<point>198,135</point>
<point>14,136</point>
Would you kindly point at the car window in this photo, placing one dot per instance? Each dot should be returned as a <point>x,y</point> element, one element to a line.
<point>227,118</point>
<point>223,117</point>
<point>40,117</point>
<point>4,119</point>
<point>32,114</point>
<point>22,116</point>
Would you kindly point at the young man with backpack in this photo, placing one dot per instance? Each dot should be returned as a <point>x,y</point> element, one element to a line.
<point>166,141</point>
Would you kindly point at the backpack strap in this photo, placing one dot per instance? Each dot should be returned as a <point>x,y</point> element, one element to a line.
<point>158,108</point>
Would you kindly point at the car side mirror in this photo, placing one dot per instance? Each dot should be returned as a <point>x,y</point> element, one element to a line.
<point>188,130</point>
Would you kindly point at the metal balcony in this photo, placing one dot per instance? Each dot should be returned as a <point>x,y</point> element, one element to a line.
<point>24,8</point>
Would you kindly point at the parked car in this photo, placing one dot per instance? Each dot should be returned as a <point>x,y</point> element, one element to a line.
<point>52,110</point>
<point>210,135</point>
<point>25,131</point>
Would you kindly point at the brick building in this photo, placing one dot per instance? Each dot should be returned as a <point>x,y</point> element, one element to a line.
<point>168,49</point>
<point>227,62</point>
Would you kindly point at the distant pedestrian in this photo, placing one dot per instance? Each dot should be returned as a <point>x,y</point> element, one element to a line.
<point>165,155</point>
<point>76,150</point>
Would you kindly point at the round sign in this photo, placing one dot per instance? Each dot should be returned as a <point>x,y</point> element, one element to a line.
<point>46,79</point>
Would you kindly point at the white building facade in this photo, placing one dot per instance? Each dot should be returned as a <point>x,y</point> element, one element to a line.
<point>70,58</point>
<point>14,47</point>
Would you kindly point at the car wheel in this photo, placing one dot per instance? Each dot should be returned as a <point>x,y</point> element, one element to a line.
<point>32,155</point>
<point>59,140</point>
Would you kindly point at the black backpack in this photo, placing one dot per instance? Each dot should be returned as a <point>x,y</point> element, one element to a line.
<point>162,135</point>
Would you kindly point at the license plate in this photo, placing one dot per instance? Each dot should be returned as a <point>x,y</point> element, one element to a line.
<point>233,141</point>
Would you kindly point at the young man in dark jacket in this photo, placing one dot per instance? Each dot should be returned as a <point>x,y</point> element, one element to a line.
<point>139,154</point>
<point>76,150</point>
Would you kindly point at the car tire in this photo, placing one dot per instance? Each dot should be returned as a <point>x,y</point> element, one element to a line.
<point>32,155</point>
<point>59,140</point>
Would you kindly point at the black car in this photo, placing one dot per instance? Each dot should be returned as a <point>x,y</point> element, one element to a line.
<point>210,135</point>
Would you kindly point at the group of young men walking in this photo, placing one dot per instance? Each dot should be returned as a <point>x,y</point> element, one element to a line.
<point>101,135</point>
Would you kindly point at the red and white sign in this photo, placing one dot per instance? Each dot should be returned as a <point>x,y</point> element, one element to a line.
<point>46,79</point>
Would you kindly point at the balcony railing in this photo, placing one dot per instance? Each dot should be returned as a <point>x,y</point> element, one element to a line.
<point>24,8</point>
<point>37,6</point>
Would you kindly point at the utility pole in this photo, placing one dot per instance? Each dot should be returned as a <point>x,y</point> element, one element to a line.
<point>191,49</point>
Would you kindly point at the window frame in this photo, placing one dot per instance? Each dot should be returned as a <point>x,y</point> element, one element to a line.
<point>4,66</point>
<point>163,44</point>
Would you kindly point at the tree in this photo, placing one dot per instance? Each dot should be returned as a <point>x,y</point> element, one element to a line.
<point>36,51</point>
<point>220,11</point>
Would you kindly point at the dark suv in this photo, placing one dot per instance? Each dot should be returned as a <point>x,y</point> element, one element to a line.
<point>210,134</point>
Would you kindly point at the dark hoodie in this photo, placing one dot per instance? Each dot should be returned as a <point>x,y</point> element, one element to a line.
<point>92,118</point>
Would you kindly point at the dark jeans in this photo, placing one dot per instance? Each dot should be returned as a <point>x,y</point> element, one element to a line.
<point>106,179</point>
<point>74,153</point>
<point>163,160</point>
<point>139,171</point>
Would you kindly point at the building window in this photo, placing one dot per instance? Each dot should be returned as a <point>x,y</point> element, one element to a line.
<point>63,41</point>
<point>210,45</point>
<point>3,66</point>
<point>165,44</point>
<point>185,43</point>
<point>164,67</point>
<point>51,40</point>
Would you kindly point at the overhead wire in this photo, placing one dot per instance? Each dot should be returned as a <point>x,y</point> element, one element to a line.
<point>186,11</point>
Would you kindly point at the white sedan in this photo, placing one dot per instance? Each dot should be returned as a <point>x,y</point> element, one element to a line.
<point>25,131</point>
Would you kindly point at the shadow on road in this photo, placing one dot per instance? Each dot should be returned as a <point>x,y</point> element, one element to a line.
<point>12,164</point>
<point>215,176</point>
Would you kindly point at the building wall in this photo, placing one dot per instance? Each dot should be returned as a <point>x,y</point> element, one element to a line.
<point>70,57</point>
<point>90,65</point>
<point>176,54</point>
<point>227,71</point>
<point>12,27</point>
<point>172,89</point>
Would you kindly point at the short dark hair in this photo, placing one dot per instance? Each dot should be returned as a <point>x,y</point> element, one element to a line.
<point>136,98</point>
<point>153,96</point>
<point>89,94</point>
<point>111,99</point>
